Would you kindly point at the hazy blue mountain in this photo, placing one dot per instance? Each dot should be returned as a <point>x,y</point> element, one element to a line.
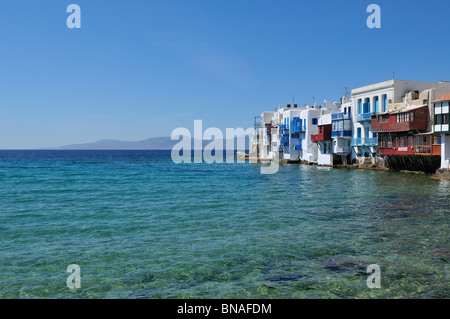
<point>154,143</point>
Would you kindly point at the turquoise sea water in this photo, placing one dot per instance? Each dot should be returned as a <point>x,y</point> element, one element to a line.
<point>140,226</point>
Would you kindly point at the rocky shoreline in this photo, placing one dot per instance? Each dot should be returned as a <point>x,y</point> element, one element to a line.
<point>440,173</point>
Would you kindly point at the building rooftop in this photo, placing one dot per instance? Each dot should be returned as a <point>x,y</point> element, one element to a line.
<point>444,98</point>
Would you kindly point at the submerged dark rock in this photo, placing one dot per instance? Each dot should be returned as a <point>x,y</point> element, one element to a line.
<point>286,277</point>
<point>139,278</point>
<point>442,254</point>
<point>345,264</point>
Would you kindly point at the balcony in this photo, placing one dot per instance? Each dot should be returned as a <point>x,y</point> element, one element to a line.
<point>340,150</point>
<point>341,133</point>
<point>324,133</point>
<point>316,138</point>
<point>298,129</point>
<point>373,141</point>
<point>401,121</point>
<point>341,116</point>
<point>298,125</point>
<point>284,140</point>
<point>364,117</point>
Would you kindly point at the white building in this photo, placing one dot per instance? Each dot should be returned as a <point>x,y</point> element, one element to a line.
<point>323,137</point>
<point>377,98</point>
<point>341,133</point>
<point>442,126</point>
<point>289,136</point>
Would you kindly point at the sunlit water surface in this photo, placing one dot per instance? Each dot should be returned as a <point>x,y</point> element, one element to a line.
<point>140,226</point>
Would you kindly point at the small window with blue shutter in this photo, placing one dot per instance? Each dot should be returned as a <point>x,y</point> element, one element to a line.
<point>314,121</point>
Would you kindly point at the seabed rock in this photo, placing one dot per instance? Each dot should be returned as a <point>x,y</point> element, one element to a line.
<point>442,254</point>
<point>344,264</point>
<point>442,174</point>
<point>286,277</point>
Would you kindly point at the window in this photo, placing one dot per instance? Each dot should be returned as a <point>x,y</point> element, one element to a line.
<point>314,121</point>
<point>347,125</point>
<point>423,145</point>
<point>436,140</point>
<point>375,104</point>
<point>383,118</point>
<point>444,118</point>
<point>359,106</point>
<point>366,105</point>
<point>384,102</point>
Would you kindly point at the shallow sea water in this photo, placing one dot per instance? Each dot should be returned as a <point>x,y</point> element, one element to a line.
<point>140,226</point>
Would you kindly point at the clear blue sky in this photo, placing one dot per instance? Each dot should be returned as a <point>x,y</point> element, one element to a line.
<point>138,69</point>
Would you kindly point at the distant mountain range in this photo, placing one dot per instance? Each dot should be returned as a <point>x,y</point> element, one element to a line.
<point>154,143</point>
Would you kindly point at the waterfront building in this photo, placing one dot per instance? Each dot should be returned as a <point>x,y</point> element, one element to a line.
<point>265,136</point>
<point>290,139</point>
<point>323,138</point>
<point>341,132</point>
<point>380,98</point>
<point>278,138</point>
<point>406,133</point>
<point>442,127</point>
<point>309,121</point>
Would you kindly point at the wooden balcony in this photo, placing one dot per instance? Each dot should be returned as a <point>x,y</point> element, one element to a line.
<point>401,121</point>
<point>323,135</point>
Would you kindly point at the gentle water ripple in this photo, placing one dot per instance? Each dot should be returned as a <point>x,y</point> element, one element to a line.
<point>142,227</point>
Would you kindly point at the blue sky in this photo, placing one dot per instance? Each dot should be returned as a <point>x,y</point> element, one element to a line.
<point>138,69</point>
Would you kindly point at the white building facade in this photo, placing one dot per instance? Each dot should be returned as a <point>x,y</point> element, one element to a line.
<point>378,98</point>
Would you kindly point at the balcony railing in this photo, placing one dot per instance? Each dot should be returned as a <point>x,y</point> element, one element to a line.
<point>298,147</point>
<point>284,128</point>
<point>342,150</point>
<point>364,117</point>
<point>341,133</point>
<point>341,116</point>
<point>298,128</point>
<point>373,141</point>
